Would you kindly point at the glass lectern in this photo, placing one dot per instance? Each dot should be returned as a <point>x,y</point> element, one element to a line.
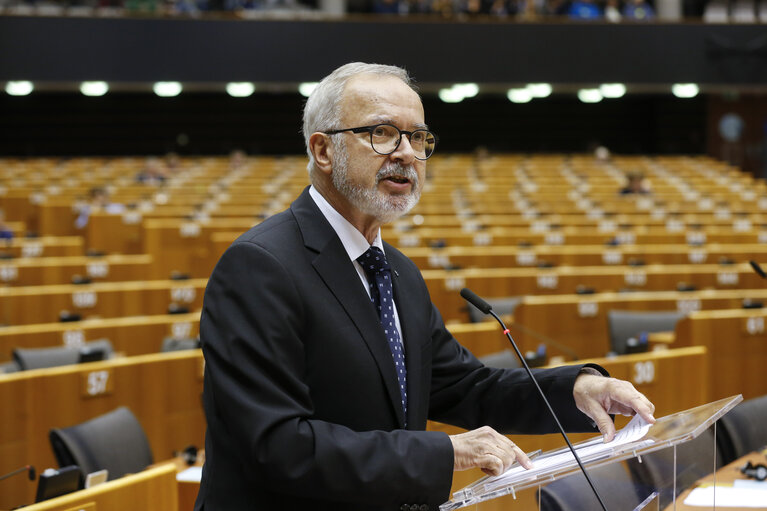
<point>634,440</point>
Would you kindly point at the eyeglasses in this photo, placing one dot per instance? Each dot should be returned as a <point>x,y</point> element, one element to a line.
<point>385,139</point>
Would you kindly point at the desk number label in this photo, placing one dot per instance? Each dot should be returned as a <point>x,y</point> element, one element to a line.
<point>98,383</point>
<point>548,281</point>
<point>73,338</point>
<point>587,309</point>
<point>183,294</point>
<point>755,325</point>
<point>454,283</point>
<point>182,330</point>
<point>9,273</point>
<point>644,372</point>
<point>84,299</point>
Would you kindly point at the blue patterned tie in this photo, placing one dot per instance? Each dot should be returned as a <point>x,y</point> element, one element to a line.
<point>378,271</point>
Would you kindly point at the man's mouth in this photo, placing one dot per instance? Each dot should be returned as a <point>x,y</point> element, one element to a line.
<point>397,179</point>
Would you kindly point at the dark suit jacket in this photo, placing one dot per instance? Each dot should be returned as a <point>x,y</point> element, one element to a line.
<point>301,394</point>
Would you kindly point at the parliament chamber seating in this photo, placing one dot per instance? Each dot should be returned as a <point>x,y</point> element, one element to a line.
<point>162,390</point>
<point>550,232</point>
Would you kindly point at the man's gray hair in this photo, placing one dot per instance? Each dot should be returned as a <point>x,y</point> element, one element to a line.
<point>322,111</point>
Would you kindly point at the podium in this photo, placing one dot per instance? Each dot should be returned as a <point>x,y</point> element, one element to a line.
<point>633,441</point>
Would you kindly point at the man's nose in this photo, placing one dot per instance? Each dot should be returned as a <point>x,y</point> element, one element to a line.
<point>404,152</point>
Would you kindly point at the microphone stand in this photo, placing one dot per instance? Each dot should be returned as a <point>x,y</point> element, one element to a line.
<point>29,468</point>
<point>484,307</point>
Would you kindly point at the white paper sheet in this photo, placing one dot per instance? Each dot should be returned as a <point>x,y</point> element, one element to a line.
<point>729,496</point>
<point>633,431</point>
<point>190,475</point>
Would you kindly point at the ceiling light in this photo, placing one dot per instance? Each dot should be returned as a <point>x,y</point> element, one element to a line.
<point>612,90</point>
<point>519,95</point>
<point>240,89</point>
<point>450,95</point>
<point>467,90</point>
<point>167,89</point>
<point>685,90</point>
<point>94,89</point>
<point>19,88</point>
<point>539,90</point>
<point>590,95</point>
<point>307,88</point>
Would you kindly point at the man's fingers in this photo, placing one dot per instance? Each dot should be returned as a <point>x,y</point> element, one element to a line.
<point>491,465</point>
<point>521,458</point>
<point>601,418</point>
<point>488,450</point>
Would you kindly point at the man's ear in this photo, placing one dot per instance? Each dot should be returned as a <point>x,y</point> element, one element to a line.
<point>322,150</point>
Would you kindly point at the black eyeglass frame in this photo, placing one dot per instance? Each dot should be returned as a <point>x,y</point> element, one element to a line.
<point>370,129</point>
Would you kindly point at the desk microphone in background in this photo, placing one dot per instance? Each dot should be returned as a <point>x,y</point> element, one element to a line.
<point>32,473</point>
<point>758,269</point>
<point>485,308</point>
<point>548,341</point>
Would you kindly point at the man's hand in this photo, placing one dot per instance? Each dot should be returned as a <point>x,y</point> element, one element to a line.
<point>598,396</point>
<point>487,449</point>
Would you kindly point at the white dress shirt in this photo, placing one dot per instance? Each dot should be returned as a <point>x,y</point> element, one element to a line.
<point>353,241</point>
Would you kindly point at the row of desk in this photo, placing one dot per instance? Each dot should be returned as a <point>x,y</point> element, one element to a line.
<point>163,391</point>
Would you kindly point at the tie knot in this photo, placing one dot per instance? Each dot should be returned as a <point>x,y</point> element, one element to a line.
<point>373,261</point>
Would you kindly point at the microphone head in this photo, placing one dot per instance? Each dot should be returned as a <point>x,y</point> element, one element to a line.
<point>758,269</point>
<point>32,472</point>
<point>475,300</point>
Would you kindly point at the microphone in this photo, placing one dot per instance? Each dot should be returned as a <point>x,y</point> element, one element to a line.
<point>485,308</point>
<point>758,269</point>
<point>32,473</point>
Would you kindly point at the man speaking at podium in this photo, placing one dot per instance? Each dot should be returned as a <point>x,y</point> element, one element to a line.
<point>324,354</point>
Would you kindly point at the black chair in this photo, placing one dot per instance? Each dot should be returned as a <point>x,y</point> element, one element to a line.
<point>655,472</point>
<point>9,367</point>
<point>173,344</point>
<point>572,493</point>
<point>40,358</point>
<point>743,429</point>
<point>114,441</point>
<point>501,306</point>
<point>624,325</point>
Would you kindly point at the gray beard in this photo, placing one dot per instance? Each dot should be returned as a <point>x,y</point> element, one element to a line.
<point>370,201</point>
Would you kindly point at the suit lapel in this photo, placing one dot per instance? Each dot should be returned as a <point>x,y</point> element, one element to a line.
<point>331,262</point>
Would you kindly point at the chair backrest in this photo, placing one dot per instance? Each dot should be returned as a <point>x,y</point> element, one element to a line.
<point>172,344</point>
<point>99,345</point>
<point>505,359</point>
<point>572,493</point>
<point>501,306</point>
<point>9,367</point>
<point>743,429</point>
<point>655,471</point>
<point>39,358</point>
<point>624,325</point>
<point>114,441</point>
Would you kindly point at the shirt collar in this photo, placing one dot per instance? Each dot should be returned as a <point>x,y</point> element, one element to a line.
<point>353,241</point>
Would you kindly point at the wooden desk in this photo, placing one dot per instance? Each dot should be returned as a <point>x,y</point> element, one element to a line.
<point>737,344</point>
<point>41,271</point>
<point>130,336</point>
<point>724,476</point>
<point>150,490</point>
<point>42,304</point>
<point>580,321</point>
<point>503,282</point>
<point>44,246</point>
